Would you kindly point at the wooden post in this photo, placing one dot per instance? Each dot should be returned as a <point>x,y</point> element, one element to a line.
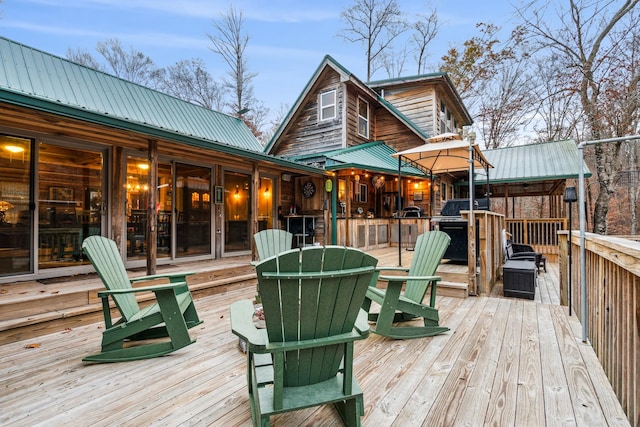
<point>218,209</point>
<point>254,209</point>
<point>347,214</point>
<point>118,184</point>
<point>152,209</point>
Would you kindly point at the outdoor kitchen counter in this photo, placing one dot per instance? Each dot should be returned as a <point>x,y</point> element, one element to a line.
<point>375,233</point>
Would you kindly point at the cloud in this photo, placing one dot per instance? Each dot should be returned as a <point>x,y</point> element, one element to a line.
<point>256,10</point>
<point>146,38</point>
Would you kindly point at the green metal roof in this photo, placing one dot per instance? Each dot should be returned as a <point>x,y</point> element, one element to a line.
<point>38,80</point>
<point>535,162</point>
<point>373,156</point>
<point>36,74</point>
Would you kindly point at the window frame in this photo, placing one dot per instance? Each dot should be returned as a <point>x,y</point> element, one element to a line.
<point>362,191</point>
<point>322,106</point>
<point>364,119</point>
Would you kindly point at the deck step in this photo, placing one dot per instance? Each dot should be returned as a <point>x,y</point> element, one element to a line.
<point>452,289</point>
<point>33,308</point>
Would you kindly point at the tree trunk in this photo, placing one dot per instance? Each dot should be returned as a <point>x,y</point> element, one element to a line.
<point>606,156</point>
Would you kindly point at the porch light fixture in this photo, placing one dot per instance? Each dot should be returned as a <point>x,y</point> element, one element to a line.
<point>570,195</point>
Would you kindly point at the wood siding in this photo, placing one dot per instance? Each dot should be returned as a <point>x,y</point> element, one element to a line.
<point>306,134</point>
<point>418,104</point>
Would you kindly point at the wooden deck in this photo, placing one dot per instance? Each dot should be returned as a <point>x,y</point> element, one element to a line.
<point>505,362</point>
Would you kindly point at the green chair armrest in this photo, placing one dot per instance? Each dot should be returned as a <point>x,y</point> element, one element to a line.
<point>171,276</point>
<point>242,324</point>
<point>106,293</point>
<point>392,268</point>
<point>405,278</point>
<point>362,323</point>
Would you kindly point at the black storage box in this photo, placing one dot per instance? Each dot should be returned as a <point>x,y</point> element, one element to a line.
<point>519,279</point>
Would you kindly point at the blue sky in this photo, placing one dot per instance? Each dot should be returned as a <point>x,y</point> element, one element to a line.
<point>289,38</point>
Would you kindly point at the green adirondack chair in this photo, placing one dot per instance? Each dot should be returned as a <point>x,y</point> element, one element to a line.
<point>271,242</point>
<point>170,317</point>
<point>312,301</point>
<point>396,306</point>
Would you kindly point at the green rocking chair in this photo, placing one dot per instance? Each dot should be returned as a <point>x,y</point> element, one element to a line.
<point>312,301</point>
<point>171,316</point>
<point>396,306</point>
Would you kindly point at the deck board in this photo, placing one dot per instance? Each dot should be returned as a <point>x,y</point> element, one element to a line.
<point>505,362</point>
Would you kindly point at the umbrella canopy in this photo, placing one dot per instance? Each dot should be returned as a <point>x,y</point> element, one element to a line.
<point>446,156</point>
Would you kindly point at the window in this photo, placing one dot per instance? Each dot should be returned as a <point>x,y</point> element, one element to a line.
<point>363,118</point>
<point>70,190</point>
<point>447,122</point>
<point>327,105</point>
<point>361,193</point>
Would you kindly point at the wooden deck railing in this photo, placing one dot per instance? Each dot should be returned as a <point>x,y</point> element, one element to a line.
<point>484,274</point>
<point>541,233</point>
<point>613,308</point>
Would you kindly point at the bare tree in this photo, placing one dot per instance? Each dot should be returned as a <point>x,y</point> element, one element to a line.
<point>558,115</point>
<point>375,24</point>
<point>133,65</point>
<point>83,57</point>
<point>189,80</point>
<point>506,104</point>
<point>621,114</point>
<point>230,42</point>
<point>393,61</point>
<point>586,40</point>
<point>425,30</point>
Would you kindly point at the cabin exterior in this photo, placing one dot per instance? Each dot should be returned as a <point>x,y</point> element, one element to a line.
<point>351,128</point>
<point>81,153</point>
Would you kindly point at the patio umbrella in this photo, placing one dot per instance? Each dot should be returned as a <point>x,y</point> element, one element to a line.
<point>445,156</point>
<point>445,153</point>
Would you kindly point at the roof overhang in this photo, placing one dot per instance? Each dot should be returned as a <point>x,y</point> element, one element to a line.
<point>372,157</point>
<point>71,112</point>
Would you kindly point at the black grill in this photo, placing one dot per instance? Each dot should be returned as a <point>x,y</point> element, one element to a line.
<point>456,228</point>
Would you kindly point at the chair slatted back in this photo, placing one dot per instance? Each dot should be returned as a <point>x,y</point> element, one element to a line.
<point>428,252</point>
<point>271,242</point>
<point>302,309</point>
<point>105,257</point>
